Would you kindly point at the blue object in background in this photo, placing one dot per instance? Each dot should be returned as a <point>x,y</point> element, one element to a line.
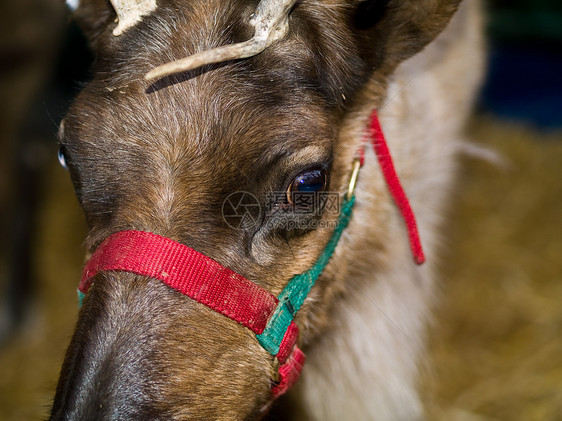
<point>524,82</point>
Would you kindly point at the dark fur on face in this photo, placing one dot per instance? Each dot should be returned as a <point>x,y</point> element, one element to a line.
<point>163,157</point>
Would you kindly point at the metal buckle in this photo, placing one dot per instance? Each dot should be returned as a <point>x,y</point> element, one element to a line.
<point>275,375</point>
<point>353,179</point>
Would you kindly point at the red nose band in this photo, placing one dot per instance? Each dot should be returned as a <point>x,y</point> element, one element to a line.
<point>185,270</point>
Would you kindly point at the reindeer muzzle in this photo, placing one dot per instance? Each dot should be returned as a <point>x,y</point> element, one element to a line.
<point>221,289</point>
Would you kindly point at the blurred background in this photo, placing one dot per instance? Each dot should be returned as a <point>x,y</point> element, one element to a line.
<point>496,345</point>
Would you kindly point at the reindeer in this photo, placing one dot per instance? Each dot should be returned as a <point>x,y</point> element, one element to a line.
<point>209,278</point>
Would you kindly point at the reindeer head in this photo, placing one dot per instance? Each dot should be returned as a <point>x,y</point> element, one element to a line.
<point>163,150</point>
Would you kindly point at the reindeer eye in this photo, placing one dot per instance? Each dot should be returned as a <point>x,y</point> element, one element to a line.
<point>62,158</point>
<point>307,183</point>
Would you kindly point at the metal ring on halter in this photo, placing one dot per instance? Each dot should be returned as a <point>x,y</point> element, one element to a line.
<point>353,179</point>
<point>275,372</point>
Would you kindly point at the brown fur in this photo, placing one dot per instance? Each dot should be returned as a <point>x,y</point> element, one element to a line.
<point>163,158</point>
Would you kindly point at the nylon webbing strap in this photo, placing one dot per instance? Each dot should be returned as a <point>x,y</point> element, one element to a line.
<point>296,291</point>
<point>395,187</point>
<point>187,271</point>
<point>289,372</point>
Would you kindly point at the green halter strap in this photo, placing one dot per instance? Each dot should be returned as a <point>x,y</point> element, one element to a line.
<point>296,291</point>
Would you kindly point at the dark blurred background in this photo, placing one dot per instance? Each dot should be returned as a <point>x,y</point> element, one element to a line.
<point>497,345</point>
<point>525,62</point>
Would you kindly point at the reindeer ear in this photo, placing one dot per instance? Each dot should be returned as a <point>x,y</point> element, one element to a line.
<point>391,31</point>
<point>93,17</point>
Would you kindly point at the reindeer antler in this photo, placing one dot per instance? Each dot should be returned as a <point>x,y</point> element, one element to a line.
<point>130,12</point>
<point>271,23</point>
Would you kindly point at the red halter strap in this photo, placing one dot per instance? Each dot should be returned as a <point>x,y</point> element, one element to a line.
<point>187,271</point>
<point>395,188</point>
